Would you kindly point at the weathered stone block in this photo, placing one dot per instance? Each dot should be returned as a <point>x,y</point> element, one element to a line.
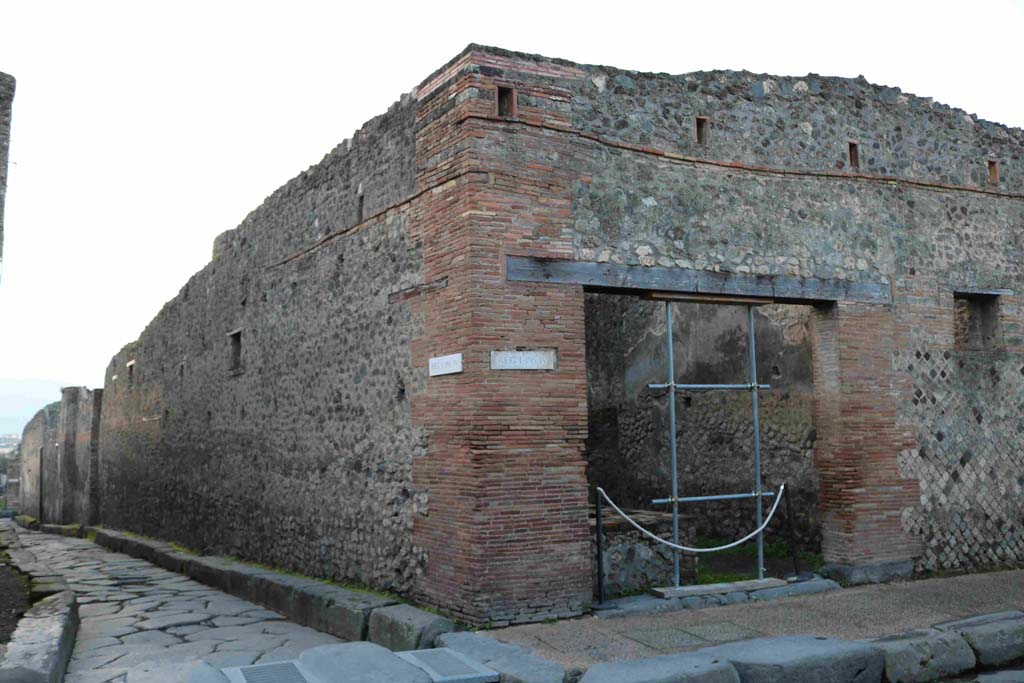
<point>479,647</point>
<point>997,639</point>
<point>41,645</point>
<point>404,627</point>
<point>680,668</point>
<point>361,663</point>
<point>802,659</point>
<point>515,663</point>
<point>802,588</point>
<point>879,572</point>
<point>346,613</point>
<point>924,655</point>
<point>211,571</point>
<point>717,588</point>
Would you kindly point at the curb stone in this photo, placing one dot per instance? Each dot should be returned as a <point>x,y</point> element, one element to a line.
<point>404,627</point>
<point>690,667</point>
<point>801,659</point>
<point>924,655</point>
<point>996,639</point>
<point>363,662</point>
<point>515,663</point>
<point>41,644</point>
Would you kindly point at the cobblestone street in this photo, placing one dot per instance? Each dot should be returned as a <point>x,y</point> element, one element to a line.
<point>139,623</point>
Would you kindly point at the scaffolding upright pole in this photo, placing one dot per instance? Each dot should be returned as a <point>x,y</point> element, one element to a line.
<point>672,438</point>
<point>758,498</point>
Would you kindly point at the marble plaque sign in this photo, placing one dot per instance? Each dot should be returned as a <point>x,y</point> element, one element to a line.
<point>446,365</point>
<point>535,359</point>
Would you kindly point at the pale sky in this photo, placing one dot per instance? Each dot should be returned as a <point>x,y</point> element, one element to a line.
<point>141,130</point>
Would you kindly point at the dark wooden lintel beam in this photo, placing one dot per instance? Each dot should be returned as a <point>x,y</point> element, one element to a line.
<point>617,276</point>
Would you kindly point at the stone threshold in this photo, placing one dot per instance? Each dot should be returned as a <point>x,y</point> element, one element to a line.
<point>713,595</point>
<point>717,588</point>
<point>41,644</point>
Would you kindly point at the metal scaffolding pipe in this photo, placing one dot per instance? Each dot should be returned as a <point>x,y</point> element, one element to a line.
<point>723,496</point>
<point>672,439</point>
<point>710,387</point>
<point>757,439</point>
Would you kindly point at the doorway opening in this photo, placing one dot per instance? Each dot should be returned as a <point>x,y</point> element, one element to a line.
<point>629,442</point>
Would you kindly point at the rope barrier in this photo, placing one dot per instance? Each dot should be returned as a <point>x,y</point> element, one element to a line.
<point>771,513</point>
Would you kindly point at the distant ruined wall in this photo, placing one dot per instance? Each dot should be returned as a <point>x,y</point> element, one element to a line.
<point>58,482</point>
<point>39,459</point>
<point>628,444</point>
<point>12,492</point>
<point>290,442</point>
<point>6,102</point>
<point>78,436</point>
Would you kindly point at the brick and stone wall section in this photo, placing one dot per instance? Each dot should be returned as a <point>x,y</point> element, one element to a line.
<point>6,102</point>
<point>611,156</point>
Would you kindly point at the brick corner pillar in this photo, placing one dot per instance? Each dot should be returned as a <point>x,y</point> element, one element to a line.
<point>862,496</point>
<point>507,535</point>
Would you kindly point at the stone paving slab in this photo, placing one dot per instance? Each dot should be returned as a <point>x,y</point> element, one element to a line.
<point>140,622</point>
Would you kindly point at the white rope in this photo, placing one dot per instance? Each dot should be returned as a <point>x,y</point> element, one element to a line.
<point>670,544</point>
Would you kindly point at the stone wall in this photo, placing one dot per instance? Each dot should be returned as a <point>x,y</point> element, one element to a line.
<point>264,413</point>
<point>628,447</point>
<point>39,447</point>
<point>6,101</point>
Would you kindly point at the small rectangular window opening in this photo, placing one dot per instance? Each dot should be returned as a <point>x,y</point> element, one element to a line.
<point>993,172</point>
<point>703,130</point>
<point>181,371</point>
<point>359,204</point>
<point>506,102</point>
<point>235,359</point>
<point>853,152</point>
<point>131,374</point>
<point>977,322</point>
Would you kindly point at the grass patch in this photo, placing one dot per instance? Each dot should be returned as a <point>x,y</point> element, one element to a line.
<point>27,521</point>
<point>182,549</point>
<point>721,567</point>
<point>352,586</point>
<point>705,577</point>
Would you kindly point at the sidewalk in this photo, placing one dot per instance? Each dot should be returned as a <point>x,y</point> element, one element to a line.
<point>852,613</point>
